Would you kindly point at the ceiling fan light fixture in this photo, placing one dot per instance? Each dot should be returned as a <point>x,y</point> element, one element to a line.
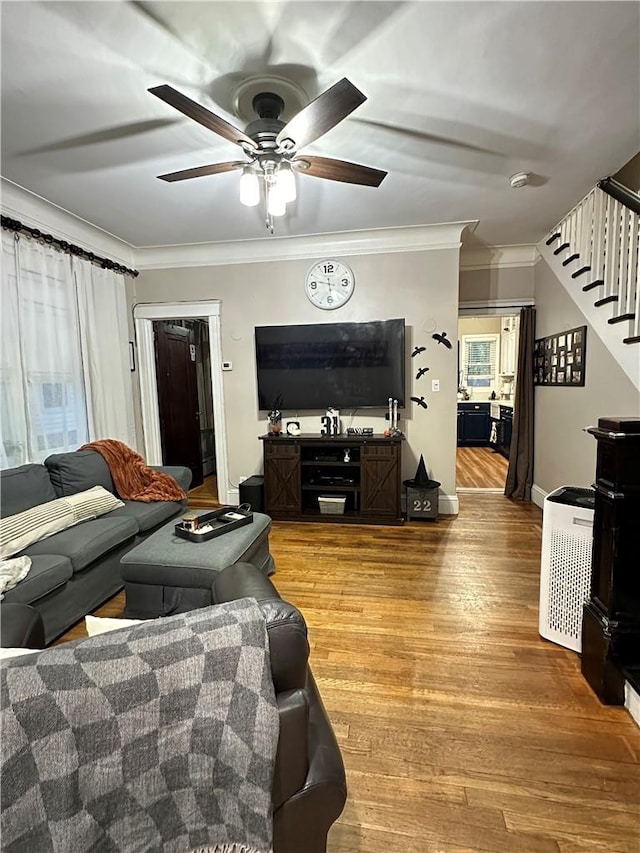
<point>276,205</point>
<point>249,188</point>
<point>286,183</point>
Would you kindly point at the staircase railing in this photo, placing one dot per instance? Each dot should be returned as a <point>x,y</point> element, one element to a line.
<point>599,242</point>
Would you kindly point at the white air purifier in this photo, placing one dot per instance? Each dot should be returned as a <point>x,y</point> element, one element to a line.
<point>565,571</point>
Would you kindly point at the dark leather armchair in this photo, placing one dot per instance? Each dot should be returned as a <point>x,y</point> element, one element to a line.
<point>309,788</point>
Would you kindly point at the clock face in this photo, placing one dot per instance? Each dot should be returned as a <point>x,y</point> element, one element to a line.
<point>329,284</point>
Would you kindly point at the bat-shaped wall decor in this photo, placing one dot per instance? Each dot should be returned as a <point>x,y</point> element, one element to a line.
<point>421,372</point>
<point>442,338</point>
<point>420,401</point>
<point>417,351</point>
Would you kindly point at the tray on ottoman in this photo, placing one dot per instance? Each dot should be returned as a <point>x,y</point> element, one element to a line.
<point>166,574</point>
<point>221,521</point>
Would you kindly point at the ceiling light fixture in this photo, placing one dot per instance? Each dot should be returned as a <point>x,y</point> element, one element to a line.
<point>279,186</point>
<point>249,187</point>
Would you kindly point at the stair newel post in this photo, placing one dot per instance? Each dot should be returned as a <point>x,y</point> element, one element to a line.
<point>611,616</point>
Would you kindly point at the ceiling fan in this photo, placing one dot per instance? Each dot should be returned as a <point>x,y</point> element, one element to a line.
<point>272,147</point>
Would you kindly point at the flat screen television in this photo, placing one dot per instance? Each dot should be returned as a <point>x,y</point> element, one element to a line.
<point>344,365</point>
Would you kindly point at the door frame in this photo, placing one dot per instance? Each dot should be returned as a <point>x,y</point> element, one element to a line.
<point>489,308</point>
<point>144,313</point>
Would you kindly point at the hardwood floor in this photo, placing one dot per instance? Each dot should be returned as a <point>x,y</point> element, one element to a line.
<point>480,468</point>
<point>461,729</point>
<point>206,495</point>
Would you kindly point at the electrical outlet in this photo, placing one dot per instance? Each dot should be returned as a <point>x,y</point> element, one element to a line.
<point>435,384</point>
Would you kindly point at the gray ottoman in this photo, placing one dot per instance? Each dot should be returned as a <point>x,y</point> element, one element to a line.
<point>166,574</point>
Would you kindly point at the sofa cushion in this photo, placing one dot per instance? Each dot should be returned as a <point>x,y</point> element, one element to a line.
<point>47,572</point>
<point>78,471</point>
<point>148,515</point>
<point>86,542</point>
<point>24,487</point>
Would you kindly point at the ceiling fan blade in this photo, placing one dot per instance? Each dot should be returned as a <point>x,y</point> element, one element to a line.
<point>339,170</point>
<point>320,115</point>
<point>202,171</point>
<point>202,115</point>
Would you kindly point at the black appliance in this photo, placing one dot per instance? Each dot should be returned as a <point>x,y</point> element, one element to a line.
<point>344,365</point>
<point>506,419</point>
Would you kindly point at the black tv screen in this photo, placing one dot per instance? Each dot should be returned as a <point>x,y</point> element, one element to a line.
<point>344,365</point>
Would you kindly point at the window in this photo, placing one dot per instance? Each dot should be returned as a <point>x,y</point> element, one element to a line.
<point>42,402</point>
<point>480,360</point>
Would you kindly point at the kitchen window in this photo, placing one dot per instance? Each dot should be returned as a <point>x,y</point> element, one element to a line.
<point>479,360</point>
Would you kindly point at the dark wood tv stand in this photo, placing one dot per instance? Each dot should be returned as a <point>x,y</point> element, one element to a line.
<point>299,469</point>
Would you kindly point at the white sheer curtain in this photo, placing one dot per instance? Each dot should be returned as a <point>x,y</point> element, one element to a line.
<point>104,336</point>
<point>42,403</point>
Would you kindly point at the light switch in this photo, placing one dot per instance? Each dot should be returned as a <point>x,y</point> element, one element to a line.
<point>227,365</point>
<point>435,384</point>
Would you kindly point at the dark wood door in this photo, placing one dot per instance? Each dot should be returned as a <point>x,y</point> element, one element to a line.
<point>282,490</point>
<point>380,480</point>
<point>178,397</point>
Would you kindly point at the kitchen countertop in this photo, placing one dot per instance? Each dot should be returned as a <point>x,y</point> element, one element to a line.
<point>507,403</point>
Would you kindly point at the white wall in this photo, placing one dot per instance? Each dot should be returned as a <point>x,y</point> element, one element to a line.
<point>564,454</point>
<point>496,284</point>
<point>420,286</point>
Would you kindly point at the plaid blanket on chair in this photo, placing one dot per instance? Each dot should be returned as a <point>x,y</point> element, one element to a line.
<point>159,737</point>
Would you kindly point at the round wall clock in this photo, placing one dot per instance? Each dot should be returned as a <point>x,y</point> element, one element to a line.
<point>329,284</point>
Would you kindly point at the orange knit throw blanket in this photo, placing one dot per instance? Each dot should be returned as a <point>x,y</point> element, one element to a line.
<point>133,478</point>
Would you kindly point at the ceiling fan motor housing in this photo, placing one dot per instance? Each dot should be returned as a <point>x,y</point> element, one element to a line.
<point>264,129</point>
<point>268,105</point>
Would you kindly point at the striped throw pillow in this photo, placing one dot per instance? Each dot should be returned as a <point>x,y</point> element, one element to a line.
<point>19,531</point>
<point>92,503</point>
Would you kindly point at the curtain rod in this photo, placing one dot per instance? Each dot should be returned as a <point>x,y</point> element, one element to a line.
<point>70,248</point>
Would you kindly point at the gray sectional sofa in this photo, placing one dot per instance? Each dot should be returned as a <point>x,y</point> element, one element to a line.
<point>77,569</point>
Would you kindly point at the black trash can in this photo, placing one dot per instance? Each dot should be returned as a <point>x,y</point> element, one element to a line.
<point>252,492</point>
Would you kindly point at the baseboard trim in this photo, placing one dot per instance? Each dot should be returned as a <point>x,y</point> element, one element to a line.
<point>448,505</point>
<point>538,495</point>
<point>632,702</point>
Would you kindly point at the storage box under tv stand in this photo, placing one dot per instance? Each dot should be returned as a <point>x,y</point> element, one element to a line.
<point>299,469</point>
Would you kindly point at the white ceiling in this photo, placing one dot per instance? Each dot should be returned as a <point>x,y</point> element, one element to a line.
<point>460,96</point>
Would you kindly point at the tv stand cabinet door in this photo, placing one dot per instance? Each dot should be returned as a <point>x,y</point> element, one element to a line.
<point>282,492</point>
<point>380,480</point>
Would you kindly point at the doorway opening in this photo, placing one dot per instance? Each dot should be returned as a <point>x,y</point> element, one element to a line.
<point>487,367</point>
<point>212,439</point>
<point>185,397</point>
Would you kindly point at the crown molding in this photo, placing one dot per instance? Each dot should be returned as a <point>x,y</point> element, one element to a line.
<point>499,257</point>
<point>415,238</point>
<point>37,212</point>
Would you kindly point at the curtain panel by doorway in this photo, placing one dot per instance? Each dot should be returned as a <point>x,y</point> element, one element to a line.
<point>104,337</point>
<point>520,473</point>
